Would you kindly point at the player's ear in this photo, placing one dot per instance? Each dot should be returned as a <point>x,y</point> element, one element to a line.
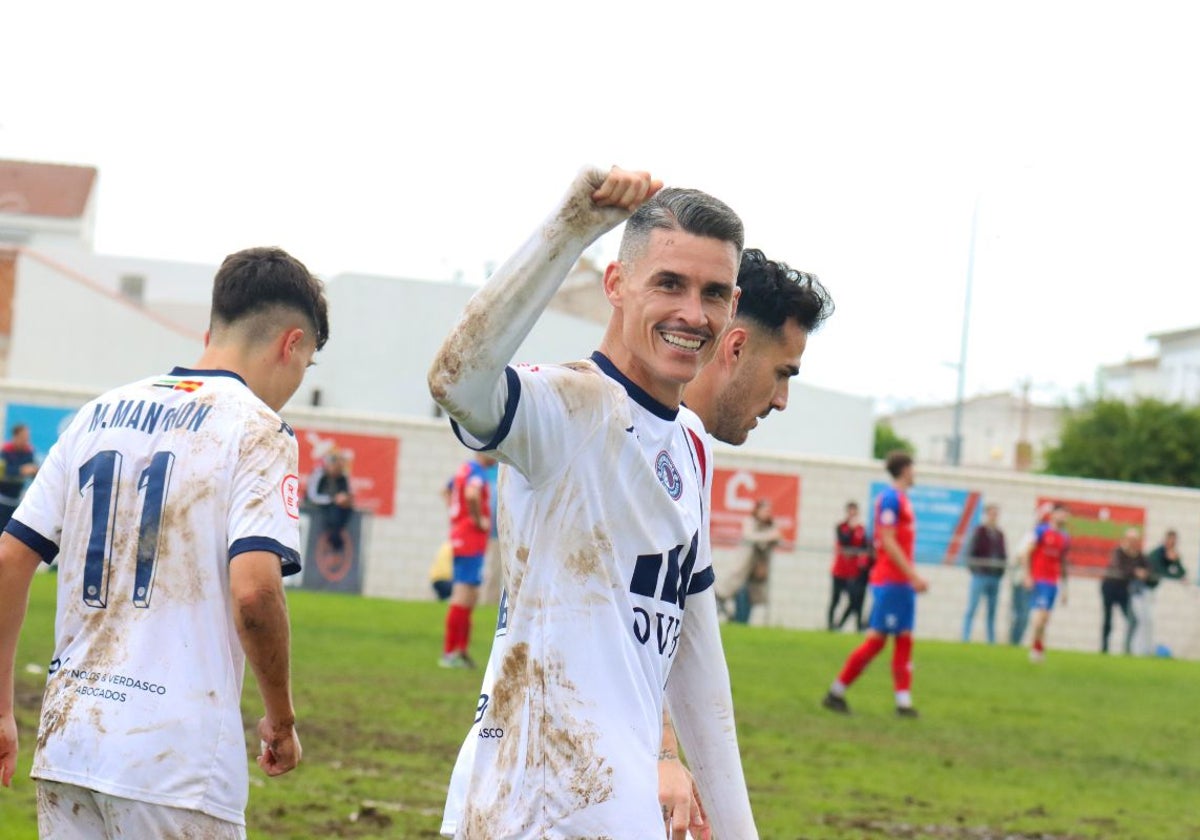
<point>614,285</point>
<point>735,344</point>
<point>291,343</point>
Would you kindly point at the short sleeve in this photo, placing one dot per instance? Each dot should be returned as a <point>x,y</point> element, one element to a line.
<point>889,509</point>
<point>38,520</point>
<point>550,412</point>
<point>264,510</point>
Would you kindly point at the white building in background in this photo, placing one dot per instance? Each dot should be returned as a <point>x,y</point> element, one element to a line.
<point>999,431</point>
<point>1171,376</point>
<point>95,321</point>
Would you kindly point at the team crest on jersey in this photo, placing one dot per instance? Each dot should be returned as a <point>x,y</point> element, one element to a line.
<point>291,495</point>
<point>668,476</point>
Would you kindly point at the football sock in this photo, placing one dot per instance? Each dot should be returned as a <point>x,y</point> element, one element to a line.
<point>455,617</point>
<point>861,658</point>
<point>902,663</point>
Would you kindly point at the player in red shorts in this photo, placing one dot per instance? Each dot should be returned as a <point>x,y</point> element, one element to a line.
<point>894,587</point>
<point>1046,561</point>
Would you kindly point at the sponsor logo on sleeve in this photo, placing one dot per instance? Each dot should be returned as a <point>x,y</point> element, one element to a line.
<point>291,495</point>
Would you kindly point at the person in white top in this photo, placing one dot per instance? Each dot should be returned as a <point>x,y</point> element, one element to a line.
<point>603,508</point>
<point>172,507</point>
<point>749,377</point>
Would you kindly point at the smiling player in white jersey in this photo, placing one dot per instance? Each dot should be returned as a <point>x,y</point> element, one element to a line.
<point>601,518</point>
<point>747,379</point>
<point>171,505</point>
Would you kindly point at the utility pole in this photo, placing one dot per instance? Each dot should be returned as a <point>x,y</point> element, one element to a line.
<point>956,435</point>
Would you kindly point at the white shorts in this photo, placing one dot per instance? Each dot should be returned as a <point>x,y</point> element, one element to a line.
<point>70,812</point>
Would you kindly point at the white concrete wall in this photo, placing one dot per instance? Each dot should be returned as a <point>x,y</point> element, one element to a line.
<point>69,330</point>
<point>400,548</point>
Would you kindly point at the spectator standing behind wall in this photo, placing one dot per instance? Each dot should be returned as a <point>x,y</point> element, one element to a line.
<point>1163,562</point>
<point>746,585</point>
<point>1126,571</point>
<point>329,490</point>
<point>986,559</point>
<point>848,555</point>
<point>16,467</point>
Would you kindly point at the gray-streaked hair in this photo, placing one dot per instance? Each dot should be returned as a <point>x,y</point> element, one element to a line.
<point>691,211</point>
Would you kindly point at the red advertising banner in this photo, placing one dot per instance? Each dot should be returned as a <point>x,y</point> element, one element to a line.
<point>371,462</point>
<point>734,493</point>
<point>1095,530</point>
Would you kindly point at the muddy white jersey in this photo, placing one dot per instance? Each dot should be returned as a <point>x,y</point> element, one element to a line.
<point>145,499</point>
<point>601,511</point>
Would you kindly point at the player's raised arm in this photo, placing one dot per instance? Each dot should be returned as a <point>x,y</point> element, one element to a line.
<point>466,378</point>
<point>701,706</point>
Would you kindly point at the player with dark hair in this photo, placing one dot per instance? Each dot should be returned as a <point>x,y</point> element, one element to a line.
<point>1045,563</point>
<point>758,355</point>
<point>172,507</point>
<point>894,587</point>
<point>603,533</point>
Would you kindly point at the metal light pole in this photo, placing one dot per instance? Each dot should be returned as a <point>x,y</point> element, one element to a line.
<point>956,435</point>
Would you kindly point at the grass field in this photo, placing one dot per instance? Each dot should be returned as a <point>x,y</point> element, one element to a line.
<point>1080,747</point>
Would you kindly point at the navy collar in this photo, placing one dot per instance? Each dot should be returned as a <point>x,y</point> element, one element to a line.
<point>182,371</point>
<point>635,391</point>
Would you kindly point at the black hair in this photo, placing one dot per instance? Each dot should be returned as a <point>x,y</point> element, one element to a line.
<point>773,293</point>
<point>256,279</point>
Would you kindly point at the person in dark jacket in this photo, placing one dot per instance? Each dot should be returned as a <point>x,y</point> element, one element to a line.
<point>1127,569</point>
<point>986,558</point>
<point>849,554</point>
<point>329,489</point>
<point>1162,562</point>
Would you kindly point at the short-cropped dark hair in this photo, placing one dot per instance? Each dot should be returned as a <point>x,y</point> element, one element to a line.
<point>691,211</point>
<point>897,462</point>
<point>773,292</point>
<point>255,280</point>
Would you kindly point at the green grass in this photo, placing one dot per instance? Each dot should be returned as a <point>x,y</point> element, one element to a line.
<point>1080,747</point>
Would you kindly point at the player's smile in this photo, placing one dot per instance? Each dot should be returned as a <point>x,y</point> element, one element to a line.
<point>687,342</point>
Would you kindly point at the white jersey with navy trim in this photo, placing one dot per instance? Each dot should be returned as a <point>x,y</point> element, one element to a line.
<point>602,511</point>
<point>145,499</point>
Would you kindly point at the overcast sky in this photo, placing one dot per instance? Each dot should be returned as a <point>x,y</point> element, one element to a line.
<point>855,139</point>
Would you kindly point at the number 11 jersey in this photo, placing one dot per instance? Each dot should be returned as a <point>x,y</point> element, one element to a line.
<point>145,499</point>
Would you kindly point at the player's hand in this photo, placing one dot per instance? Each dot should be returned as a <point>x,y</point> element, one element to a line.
<point>1063,596</point>
<point>682,809</point>
<point>8,748</point>
<point>598,201</point>
<point>624,189</point>
<point>920,584</point>
<point>280,748</point>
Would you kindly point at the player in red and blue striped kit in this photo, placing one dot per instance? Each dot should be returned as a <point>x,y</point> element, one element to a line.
<point>470,526</point>
<point>894,587</point>
<point>1046,558</point>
